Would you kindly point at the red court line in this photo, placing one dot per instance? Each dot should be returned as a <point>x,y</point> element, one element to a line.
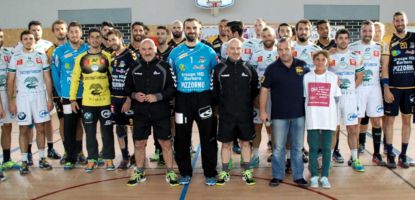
<point>113,179</point>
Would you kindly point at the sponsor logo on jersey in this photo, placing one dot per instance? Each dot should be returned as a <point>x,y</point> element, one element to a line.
<point>68,55</point>
<point>344,83</point>
<point>21,116</point>
<point>122,63</point>
<point>259,59</point>
<point>31,82</point>
<point>376,53</point>
<point>396,53</point>
<point>6,58</point>
<point>299,70</point>
<point>43,114</point>
<point>19,62</point>
<point>244,75</point>
<point>352,61</point>
<point>96,89</point>
<point>367,75</point>
<point>182,56</point>
<point>201,67</point>
<point>67,66</point>
<point>156,73</point>
<point>182,67</point>
<point>202,59</point>
<point>106,113</point>
<point>351,116</point>
<point>247,51</point>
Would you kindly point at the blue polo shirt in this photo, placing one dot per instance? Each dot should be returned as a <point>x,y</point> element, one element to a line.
<point>287,90</point>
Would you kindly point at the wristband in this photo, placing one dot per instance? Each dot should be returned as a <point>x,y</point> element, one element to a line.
<point>385,81</point>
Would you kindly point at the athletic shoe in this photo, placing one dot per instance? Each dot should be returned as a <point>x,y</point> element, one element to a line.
<point>314,182</point>
<point>337,157</point>
<point>301,182</point>
<point>24,168</point>
<point>357,166</point>
<point>254,162</point>
<point>2,176</point>
<point>248,177</point>
<point>44,164</point>
<point>156,156</point>
<point>288,166</point>
<point>11,165</point>
<point>29,159</point>
<point>109,165</point>
<point>91,165</point>
<point>236,149</point>
<point>403,161</point>
<point>325,182</point>
<point>184,180</point>
<point>63,159</point>
<point>132,160</point>
<point>171,178</point>
<point>274,182</point>
<point>210,181</point>
<point>269,159</point>
<point>391,164</point>
<point>223,177</point>
<point>136,178</point>
<point>123,164</point>
<point>52,154</point>
<point>377,158</point>
<point>68,166</point>
<point>100,162</point>
<point>81,159</point>
<point>361,149</point>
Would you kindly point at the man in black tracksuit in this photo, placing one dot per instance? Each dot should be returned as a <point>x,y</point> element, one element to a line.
<point>235,87</point>
<point>151,85</point>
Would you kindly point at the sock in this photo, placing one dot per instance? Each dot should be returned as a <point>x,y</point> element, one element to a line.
<point>126,142</point>
<point>124,153</point>
<point>225,167</point>
<point>255,152</point>
<point>29,148</point>
<point>246,165</point>
<point>78,146</point>
<point>389,148</point>
<point>6,155</point>
<point>50,146</point>
<point>377,135</point>
<point>288,154</point>
<point>354,154</point>
<point>41,153</point>
<point>404,148</point>
<point>24,157</point>
<point>362,138</point>
<point>336,147</point>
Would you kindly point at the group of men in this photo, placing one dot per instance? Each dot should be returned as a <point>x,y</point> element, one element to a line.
<point>230,86</point>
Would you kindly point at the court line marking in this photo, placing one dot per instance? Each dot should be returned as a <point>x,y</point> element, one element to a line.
<point>186,187</point>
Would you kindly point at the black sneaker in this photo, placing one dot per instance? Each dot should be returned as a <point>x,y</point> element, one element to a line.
<point>81,159</point>
<point>274,182</point>
<point>52,154</point>
<point>43,164</point>
<point>391,164</point>
<point>63,159</point>
<point>24,168</point>
<point>337,157</point>
<point>377,158</point>
<point>403,161</point>
<point>288,166</point>
<point>29,159</point>
<point>301,182</point>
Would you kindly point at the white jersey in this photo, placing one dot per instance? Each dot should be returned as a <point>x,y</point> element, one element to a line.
<point>305,53</point>
<point>41,46</point>
<point>248,48</point>
<point>261,59</point>
<point>320,91</point>
<point>5,56</point>
<point>346,65</point>
<point>29,69</point>
<point>370,55</point>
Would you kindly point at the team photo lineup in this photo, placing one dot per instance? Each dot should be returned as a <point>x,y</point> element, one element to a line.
<point>301,92</point>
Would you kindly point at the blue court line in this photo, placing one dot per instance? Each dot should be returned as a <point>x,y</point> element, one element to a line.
<point>186,187</point>
<point>34,141</point>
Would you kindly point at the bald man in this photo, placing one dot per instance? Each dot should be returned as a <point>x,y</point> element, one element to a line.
<point>150,84</point>
<point>177,32</point>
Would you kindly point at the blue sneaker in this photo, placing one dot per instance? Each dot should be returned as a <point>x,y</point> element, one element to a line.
<point>357,166</point>
<point>254,162</point>
<point>210,181</point>
<point>184,180</point>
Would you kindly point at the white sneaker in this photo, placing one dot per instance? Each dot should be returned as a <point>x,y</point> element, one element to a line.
<point>325,182</point>
<point>314,182</point>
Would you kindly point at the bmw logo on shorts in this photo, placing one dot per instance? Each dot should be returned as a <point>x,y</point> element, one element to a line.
<point>106,113</point>
<point>351,116</point>
<point>43,113</point>
<point>21,116</point>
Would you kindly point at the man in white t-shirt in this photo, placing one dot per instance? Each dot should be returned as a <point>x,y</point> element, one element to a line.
<point>369,93</point>
<point>348,67</point>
